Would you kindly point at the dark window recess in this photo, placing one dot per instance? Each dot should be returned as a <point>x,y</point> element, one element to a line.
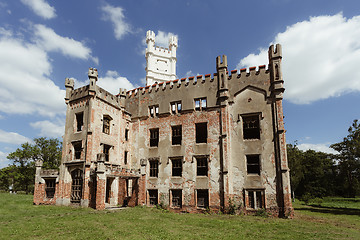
<point>76,187</point>
<point>256,199</point>
<point>153,196</point>
<point>125,157</point>
<point>253,164</point>
<point>106,151</point>
<point>175,107</point>
<point>200,104</point>
<point>126,134</point>
<point>176,198</point>
<point>201,132</point>
<point>154,111</point>
<point>176,167</point>
<point>106,124</point>
<point>154,137</point>
<point>77,150</point>
<point>154,168</point>
<point>176,135</point>
<point>50,188</point>
<point>201,166</point>
<point>251,127</point>
<point>79,121</point>
<point>202,198</point>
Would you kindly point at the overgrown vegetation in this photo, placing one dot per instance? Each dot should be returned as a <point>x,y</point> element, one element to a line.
<point>317,174</point>
<point>21,174</point>
<point>22,220</point>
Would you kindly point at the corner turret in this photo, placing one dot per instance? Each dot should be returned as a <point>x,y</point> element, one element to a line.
<point>276,78</point>
<point>69,86</point>
<point>93,77</point>
<point>221,67</point>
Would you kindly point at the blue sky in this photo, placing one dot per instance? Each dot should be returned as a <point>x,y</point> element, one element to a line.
<point>44,41</point>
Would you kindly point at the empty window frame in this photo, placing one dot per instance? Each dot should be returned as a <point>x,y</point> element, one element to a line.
<point>256,199</point>
<point>176,198</point>
<point>79,121</point>
<point>176,135</point>
<point>200,104</point>
<point>201,132</point>
<point>175,107</point>
<point>176,167</point>
<point>202,166</point>
<point>106,151</point>
<point>253,164</point>
<point>202,198</point>
<point>106,124</point>
<point>251,127</point>
<point>50,188</point>
<point>125,157</point>
<point>126,134</point>
<point>129,187</point>
<point>153,196</point>
<point>154,168</point>
<point>154,110</point>
<point>154,137</point>
<point>77,149</point>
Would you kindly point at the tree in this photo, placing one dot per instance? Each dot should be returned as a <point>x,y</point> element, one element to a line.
<point>349,159</point>
<point>295,158</point>
<point>22,172</point>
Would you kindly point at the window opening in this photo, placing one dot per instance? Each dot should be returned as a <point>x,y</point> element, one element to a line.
<point>256,199</point>
<point>154,137</point>
<point>175,107</point>
<point>201,132</point>
<point>176,167</point>
<point>125,157</point>
<point>202,166</point>
<point>77,150</point>
<point>154,168</point>
<point>126,134</point>
<point>50,188</point>
<point>200,104</point>
<point>202,198</point>
<point>106,124</point>
<point>79,121</point>
<point>154,110</point>
<point>176,198</point>
<point>153,196</point>
<point>251,127</point>
<point>253,164</point>
<point>106,151</point>
<point>176,135</point>
<point>129,186</point>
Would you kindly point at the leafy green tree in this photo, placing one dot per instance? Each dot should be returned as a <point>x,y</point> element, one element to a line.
<point>349,160</point>
<point>295,159</point>
<point>22,172</point>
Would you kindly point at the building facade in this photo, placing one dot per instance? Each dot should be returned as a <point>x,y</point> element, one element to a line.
<point>189,144</point>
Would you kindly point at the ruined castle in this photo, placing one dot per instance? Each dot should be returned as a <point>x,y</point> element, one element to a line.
<point>189,144</point>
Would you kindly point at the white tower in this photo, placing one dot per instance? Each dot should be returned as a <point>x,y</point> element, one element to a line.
<point>160,62</point>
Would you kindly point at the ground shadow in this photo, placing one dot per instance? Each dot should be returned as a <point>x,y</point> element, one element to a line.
<point>330,210</point>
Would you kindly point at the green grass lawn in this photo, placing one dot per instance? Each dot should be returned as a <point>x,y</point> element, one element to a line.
<point>19,219</point>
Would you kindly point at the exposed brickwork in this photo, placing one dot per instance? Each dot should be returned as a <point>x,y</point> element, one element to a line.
<point>115,126</point>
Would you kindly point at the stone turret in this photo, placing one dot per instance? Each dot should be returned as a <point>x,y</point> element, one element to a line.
<point>69,85</point>
<point>160,62</point>
<point>93,77</point>
<point>222,72</point>
<point>276,78</point>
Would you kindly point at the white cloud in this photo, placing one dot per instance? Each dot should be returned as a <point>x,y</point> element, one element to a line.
<point>12,138</point>
<point>317,147</point>
<point>25,84</point>
<point>4,162</point>
<point>51,129</point>
<point>162,38</point>
<point>113,81</point>
<point>41,8</point>
<point>116,16</point>
<point>47,39</point>
<point>320,58</point>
